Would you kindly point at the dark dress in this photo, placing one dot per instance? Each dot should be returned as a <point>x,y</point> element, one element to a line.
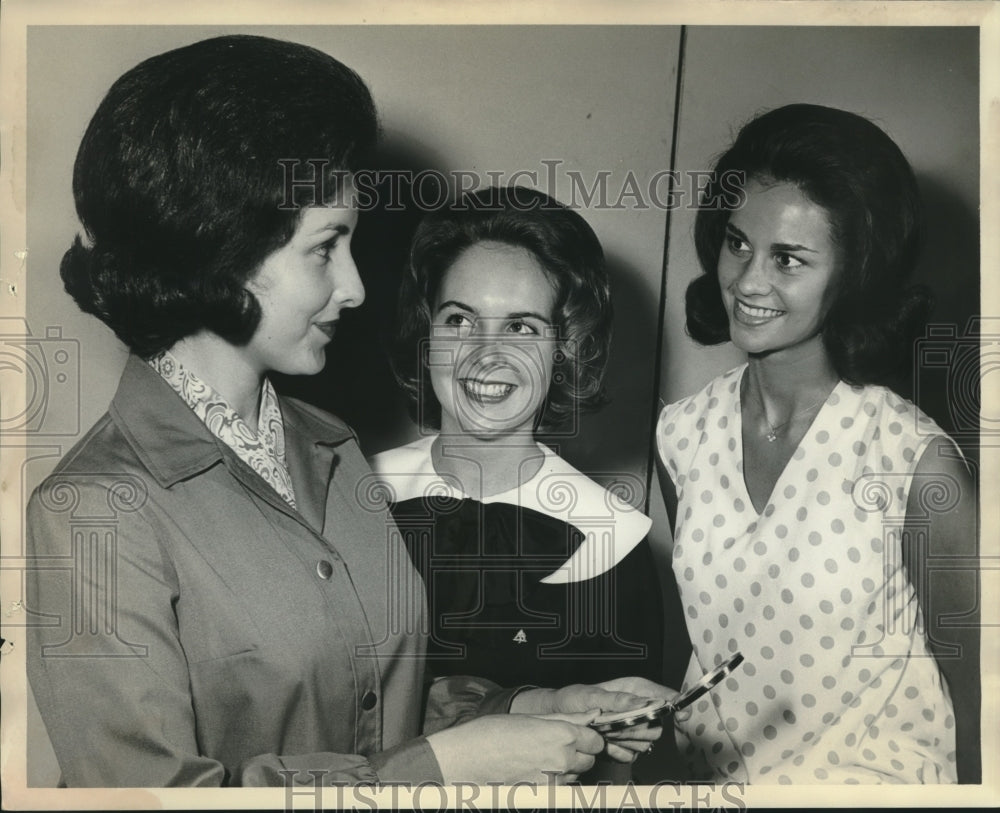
<point>493,612</point>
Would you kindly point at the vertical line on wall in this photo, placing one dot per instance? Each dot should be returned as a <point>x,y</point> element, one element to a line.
<point>662,305</point>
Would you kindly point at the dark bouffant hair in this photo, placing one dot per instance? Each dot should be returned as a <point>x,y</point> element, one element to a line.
<point>183,182</point>
<point>562,243</point>
<point>847,165</point>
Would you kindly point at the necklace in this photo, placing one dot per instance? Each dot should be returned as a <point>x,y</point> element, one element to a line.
<point>772,434</point>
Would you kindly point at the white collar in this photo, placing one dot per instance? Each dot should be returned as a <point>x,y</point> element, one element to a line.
<point>611,526</point>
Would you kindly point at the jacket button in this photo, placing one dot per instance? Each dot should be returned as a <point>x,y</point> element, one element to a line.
<point>368,701</point>
<point>324,569</point>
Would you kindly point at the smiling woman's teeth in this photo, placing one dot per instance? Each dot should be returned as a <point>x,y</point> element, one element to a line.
<point>482,389</point>
<point>759,313</point>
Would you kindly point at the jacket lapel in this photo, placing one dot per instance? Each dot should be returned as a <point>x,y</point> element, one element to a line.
<point>311,439</point>
<point>310,464</point>
<point>174,444</point>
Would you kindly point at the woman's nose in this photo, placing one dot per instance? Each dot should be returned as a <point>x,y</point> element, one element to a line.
<point>754,278</point>
<point>348,289</point>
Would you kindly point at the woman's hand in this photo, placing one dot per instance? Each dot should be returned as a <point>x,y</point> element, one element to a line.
<point>620,694</point>
<point>512,748</point>
<point>638,686</point>
<point>627,744</point>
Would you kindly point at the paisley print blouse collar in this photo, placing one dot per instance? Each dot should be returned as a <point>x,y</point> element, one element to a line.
<point>262,450</point>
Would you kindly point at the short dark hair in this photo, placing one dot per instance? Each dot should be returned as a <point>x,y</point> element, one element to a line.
<point>563,244</point>
<point>847,165</point>
<point>179,187</point>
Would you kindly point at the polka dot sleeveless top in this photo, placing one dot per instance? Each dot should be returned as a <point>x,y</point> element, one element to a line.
<point>837,683</point>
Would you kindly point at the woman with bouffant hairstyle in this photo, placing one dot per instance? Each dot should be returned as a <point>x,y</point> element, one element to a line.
<point>844,164</point>
<point>184,182</point>
<point>230,622</point>
<point>807,497</point>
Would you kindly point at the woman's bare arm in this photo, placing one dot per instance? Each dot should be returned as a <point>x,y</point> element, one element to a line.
<point>945,574</point>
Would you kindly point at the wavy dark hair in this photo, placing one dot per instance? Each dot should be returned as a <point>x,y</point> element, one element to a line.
<point>847,165</point>
<point>191,172</point>
<point>563,244</point>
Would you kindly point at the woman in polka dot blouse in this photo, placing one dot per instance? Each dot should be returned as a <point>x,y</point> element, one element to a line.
<point>807,498</point>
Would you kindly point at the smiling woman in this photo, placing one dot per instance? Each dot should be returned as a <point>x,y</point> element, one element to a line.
<point>534,572</point>
<point>776,270</point>
<point>493,324</point>
<point>788,479</point>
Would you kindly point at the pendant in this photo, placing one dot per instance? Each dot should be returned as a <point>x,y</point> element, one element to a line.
<point>771,436</point>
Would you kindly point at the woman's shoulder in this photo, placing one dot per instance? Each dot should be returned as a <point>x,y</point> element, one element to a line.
<point>721,389</point>
<point>409,457</point>
<point>102,475</point>
<point>890,432</point>
<point>895,415</point>
<point>407,470</point>
<point>682,420</point>
<point>103,453</point>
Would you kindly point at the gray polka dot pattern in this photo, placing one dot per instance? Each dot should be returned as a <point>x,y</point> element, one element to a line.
<point>837,685</point>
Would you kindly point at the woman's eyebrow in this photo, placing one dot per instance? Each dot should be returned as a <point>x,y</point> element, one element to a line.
<point>737,232</point>
<point>529,315</point>
<point>792,247</point>
<point>335,228</point>
<point>454,303</point>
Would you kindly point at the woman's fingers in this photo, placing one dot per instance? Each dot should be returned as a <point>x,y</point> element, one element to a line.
<point>641,735</point>
<point>638,686</point>
<point>584,739</point>
<point>578,718</point>
<point>626,750</point>
<point>581,763</point>
<point>517,747</point>
<point>621,701</point>
<point>581,697</point>
<point>620,754</point>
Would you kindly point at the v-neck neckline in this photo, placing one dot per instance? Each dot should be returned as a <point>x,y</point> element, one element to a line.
<point>741,460</point>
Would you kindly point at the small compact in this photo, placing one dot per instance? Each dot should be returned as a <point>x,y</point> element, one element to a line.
<point>654,710</point>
